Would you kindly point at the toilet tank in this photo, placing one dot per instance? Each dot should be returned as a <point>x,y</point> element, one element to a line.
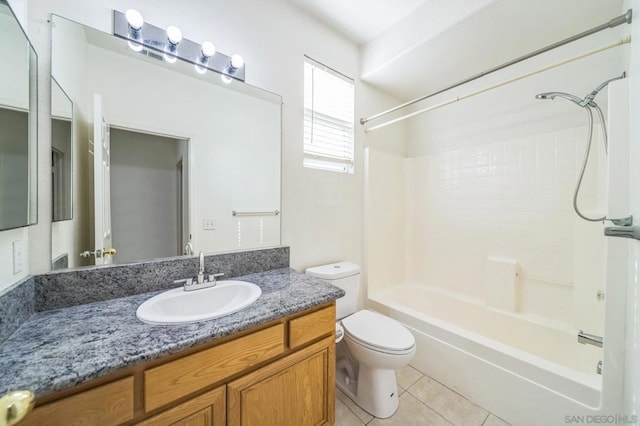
<point>345,275</point>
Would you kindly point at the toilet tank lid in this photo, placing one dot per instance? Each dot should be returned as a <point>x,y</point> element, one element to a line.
<point>334,271</point>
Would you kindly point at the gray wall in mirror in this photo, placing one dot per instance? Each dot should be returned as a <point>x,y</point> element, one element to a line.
<point>18,124</point>
<point>225,152</point>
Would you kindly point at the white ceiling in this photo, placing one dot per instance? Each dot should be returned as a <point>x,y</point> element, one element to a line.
<point>413,47</point>
<point>359,20</point>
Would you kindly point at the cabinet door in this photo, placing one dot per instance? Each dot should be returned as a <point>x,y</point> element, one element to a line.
<point>297,390</point>
<point>208,409</point>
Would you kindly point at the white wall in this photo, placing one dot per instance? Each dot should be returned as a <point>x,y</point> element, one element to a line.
<point>70,69</point>
<point>386,218</point>
<point>14,74</point>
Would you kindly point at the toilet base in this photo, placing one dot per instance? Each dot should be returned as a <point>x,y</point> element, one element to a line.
<point>375,391</point>
<point>346,384</point>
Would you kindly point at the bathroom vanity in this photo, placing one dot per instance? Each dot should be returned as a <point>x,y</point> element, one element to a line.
<point>255,377</point>
<point>272,363</point>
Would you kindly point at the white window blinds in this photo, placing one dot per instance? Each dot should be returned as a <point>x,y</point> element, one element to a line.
<point>328,118</point>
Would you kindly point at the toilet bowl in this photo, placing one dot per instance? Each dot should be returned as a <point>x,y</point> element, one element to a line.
<point>373,347</point>
<point>379,345</point>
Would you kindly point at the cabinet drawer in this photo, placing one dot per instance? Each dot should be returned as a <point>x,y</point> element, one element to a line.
<point>109,404</point>
<point>207,409</point>
<point>175,379</point>
<point>309,327</point>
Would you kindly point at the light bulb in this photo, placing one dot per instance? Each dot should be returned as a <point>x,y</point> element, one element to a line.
<point>135,21</point>
<point>134,18</point>
<point>169,58</point>
<point>136,47</point>
<point>225,78</point>
<point>208,49</point>
<point>206,52</point>
<point>237,61</point>
<point>174,35</point>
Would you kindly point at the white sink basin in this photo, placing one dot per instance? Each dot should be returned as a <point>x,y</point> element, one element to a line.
<point>178,306</point>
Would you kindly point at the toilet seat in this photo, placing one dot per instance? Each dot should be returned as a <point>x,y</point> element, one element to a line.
<point>378,333</point>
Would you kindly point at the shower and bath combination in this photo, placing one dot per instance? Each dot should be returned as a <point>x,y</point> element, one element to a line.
<point>624,226</point>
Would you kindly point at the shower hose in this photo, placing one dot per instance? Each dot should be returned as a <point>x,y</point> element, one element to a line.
<point>586,157</point>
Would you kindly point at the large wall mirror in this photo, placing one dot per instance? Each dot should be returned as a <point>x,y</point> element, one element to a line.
<point>18,124</point>
<point>164,160</point>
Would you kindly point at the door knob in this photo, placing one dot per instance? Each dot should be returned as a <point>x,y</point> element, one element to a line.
<point>99,253</point>
<point>14,406</point>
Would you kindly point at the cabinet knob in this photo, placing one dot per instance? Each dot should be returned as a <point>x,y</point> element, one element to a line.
<point>15,405</point>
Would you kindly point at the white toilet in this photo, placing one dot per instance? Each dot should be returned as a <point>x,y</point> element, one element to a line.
<point>374,346</point>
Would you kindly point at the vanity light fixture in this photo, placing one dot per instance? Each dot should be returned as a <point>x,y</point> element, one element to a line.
<point>135,23</point>
<point>146,38</point>
<point>206,52</point>
<point>174,37</point>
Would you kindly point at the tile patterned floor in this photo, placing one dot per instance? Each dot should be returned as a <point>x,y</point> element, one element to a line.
<point>423,402</point>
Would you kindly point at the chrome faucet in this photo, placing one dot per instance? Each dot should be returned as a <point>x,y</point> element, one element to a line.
<point>200,281</point>
<point>201,269</point>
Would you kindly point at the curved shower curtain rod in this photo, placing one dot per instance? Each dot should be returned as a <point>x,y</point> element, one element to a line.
<point>612,23</point>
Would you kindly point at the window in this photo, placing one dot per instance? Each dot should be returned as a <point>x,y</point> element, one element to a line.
<point>328,118</point>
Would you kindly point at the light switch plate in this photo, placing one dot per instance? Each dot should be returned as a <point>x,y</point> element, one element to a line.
<point>18,253</point>
<point>208,224</point>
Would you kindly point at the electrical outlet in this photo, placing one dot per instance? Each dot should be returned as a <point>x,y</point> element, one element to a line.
<point>18,253</point>
<point>208,224</point>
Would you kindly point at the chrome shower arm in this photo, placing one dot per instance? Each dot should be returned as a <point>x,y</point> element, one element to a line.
<point>591,96</point>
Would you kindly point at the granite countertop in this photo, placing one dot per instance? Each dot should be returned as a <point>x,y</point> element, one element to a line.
<point>58,349</point>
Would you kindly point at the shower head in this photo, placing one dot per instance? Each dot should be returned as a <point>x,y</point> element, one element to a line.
<point>569,97</point>
<point>587,101</point>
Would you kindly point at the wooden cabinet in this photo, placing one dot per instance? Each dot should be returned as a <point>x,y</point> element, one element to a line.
<point>281,373</point>
<point>297,390</point>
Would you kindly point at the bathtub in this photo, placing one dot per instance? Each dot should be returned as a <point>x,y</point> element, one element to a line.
<point>522,369</point>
